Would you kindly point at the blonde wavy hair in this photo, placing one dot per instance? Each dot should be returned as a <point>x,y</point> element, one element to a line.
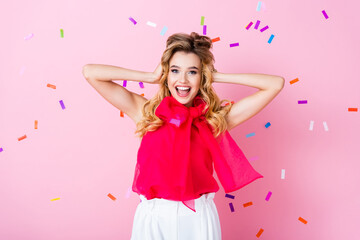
<point>200,45</point>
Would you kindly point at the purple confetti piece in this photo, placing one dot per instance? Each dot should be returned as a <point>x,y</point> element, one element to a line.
<point>264,28</point>
<point>141,84</point>
<point>175,122</point>
<point>1,149</point>
<point>257,24</point>
<point>249,25</point>
<point>234,44</point>
<point>268,196</point>
<point>229,196</point>
<point>302,102</point>
<point>124,83</point>
<point>231,207</point>
<point>204,30</point>
<point>325,15</point>
<point>62,104</point>
<point>131,19</point>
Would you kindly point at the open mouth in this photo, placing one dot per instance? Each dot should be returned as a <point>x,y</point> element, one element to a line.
<point>182,91</point>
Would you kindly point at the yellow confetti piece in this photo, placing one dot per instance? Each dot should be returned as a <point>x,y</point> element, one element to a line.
<point>111,196</point>
<point>55,199</point>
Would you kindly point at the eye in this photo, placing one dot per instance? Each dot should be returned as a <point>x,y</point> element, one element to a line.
<point>193,72</point>
<point>173,70</point>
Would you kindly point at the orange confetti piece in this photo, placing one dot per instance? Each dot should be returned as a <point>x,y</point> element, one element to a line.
<point>111,196</point>
<point>51,86</point>
<point>248,204</point>
<point>302,220</point>
<point>142,94</point>
<point>121,114</point>
<point>229,103</point>
<point>352,109</point>
<point>36,124</point>
<point>215,39</point>
<point>21,138</point>
<point>260,232</point>
<point>294,81</point>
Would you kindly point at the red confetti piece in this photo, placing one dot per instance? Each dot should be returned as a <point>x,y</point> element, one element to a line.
<point>302,220</point>
<point>215,39</point>
<point>294,81</point>
<point>121,114</point>
<point>248,204</point>
<point>260,232</point>
<point>21,138</point>
<point>352,109</point>
<point>51,86</point>
<point>111,196</point>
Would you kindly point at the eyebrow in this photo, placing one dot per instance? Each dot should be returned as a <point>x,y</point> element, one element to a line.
<point>188,68</point>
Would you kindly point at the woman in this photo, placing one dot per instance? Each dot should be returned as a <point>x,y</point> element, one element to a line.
<point>184,130</point>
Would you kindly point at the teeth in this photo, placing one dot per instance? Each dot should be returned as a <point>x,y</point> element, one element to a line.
<point>183,88</point>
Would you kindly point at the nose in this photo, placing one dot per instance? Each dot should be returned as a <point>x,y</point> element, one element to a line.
<point>183,78</point>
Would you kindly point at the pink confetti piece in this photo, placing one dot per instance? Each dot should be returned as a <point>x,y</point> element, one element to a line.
<point>29,36</point>
<point>325,15</point>
<point>268,196</point>
<point>234,44</point>
<point>254,158</point>
<point>131,19</point>
<point>264,28</point>
<point>141,84</point>
<point>257,24</point>
<point>249,25</point>
<point>175,122</point>
<point>128,192</point>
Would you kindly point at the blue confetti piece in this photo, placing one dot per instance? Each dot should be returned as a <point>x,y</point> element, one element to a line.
<point>267,125</point>
<point>250,135</point>
<point>62,104</point>
<point>124,83</point>
<point>258,6</point>
<point>163,31</point>
<point>271,38</point>
<point>231,207</point>
<point>229,196</point>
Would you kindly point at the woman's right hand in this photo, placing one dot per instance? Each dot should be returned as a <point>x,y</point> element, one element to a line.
<point>157,74</point>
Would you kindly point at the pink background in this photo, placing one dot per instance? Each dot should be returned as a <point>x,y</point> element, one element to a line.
<point>83,153</point>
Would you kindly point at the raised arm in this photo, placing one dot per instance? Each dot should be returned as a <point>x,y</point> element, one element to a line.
<point>101,77</point>
<point>269,86</point>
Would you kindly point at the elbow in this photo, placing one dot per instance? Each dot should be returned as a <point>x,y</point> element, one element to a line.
<point>281,83</point>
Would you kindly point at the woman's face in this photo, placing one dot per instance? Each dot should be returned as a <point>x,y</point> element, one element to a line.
<point>184,71</point>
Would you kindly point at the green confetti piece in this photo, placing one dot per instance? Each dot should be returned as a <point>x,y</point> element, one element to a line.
<point>202,20</point>
<point>61,32</point>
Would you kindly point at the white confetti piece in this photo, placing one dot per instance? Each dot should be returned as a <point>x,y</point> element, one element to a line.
<point>282,173</point>
<point>325,126</point>
<point>311,125</point>
<point>151,24</point>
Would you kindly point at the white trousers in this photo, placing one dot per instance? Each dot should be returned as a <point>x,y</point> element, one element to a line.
<point>161,219</point>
